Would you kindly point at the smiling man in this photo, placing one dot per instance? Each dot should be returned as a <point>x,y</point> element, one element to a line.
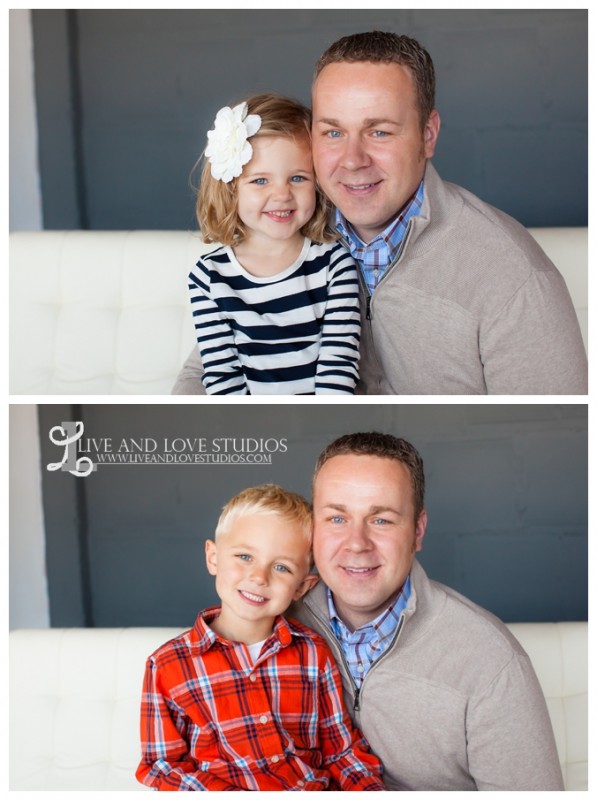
<point>443,692</point>
<point>457,296</point>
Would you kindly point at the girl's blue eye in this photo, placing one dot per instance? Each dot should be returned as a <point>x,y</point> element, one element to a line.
<point>298,178</point>
<point>260,181</point>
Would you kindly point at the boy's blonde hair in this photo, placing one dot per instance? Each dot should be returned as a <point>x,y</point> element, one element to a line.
<point>270,499</point>
<point>217,202</point>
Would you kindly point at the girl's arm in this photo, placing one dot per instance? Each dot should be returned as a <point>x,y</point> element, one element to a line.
<point>223,373</point>
<point>338,362</point>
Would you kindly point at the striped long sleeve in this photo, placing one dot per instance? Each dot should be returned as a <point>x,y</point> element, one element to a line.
<point>296,332</point>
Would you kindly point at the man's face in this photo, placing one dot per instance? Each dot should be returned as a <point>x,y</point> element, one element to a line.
<point>368,147</point>
<point>365,532</point>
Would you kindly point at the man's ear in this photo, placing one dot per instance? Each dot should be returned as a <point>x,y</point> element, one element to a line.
<point>420,528</point>
<point>430,133</point>
<point>211,557</point>
<point>309,582</point>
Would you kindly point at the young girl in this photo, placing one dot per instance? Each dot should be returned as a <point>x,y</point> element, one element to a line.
<point>275,305</point>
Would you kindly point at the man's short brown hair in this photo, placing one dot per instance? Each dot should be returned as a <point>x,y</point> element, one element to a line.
<point>383,445</point>
<point>383,47</point>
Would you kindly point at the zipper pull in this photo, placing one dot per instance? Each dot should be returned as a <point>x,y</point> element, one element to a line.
<point>357,694</point>
<point>368,314</point>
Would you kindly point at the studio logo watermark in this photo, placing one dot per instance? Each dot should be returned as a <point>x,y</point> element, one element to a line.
<point>67,435</point>
<point>83,454</point>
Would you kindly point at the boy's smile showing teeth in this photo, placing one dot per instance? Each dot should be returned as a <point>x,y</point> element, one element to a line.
<point>253,598</point>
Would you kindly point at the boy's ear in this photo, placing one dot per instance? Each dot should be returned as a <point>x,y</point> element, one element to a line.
<point>211,558</point>
<point>309,582</point>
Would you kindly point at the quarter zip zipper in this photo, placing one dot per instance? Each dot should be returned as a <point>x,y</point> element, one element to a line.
<point>389,268</point>
<point>357,691</point>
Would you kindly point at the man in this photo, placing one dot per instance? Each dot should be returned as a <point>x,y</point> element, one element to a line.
<point>443,692</point>
<point>456,297</point>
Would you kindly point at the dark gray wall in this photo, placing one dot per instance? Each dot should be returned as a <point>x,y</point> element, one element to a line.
<point>125,99</point>
<point>506,497</point>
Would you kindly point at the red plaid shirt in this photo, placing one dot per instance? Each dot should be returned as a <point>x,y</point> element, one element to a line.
<point>211,719</point>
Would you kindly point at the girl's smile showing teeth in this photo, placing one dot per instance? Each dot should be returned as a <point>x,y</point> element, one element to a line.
<point>280,215</point>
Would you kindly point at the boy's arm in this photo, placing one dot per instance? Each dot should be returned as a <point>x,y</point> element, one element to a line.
<point>166,763</point>
<point>338,362</point>
<point>346,753</point>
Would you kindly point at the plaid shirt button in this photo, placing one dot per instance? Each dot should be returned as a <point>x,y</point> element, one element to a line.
<point>263,719</point>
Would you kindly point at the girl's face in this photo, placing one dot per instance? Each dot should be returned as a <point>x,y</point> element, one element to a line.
<point>276,191</point>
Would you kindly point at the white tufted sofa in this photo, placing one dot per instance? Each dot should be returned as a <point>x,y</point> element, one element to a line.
<point>75,695</point>
<point>97,312</point>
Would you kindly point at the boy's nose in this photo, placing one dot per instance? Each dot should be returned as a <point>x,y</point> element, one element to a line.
<point>259,575</point>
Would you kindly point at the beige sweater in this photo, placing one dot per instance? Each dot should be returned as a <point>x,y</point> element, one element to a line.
<point>472,305</point>
<point>454,704</point>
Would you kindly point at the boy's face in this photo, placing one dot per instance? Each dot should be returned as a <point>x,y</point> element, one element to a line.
<point>261,565</point>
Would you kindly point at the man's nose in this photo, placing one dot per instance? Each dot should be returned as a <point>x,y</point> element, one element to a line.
<point>355,155</point>
<point>358,537</point>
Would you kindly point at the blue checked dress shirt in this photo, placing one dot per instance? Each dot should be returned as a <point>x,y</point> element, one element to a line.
<point>365,645</point>
<point>374,258</point>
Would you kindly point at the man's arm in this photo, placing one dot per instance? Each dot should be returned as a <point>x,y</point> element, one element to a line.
<point>511,745</point>
<point>534,345</point>
<point>189,378</point>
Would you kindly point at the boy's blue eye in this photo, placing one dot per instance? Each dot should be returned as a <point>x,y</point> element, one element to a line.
<point>244,556</point>
<point>281,568</point>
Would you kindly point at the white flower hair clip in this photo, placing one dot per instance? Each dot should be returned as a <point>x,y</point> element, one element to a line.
<point>228,149</point>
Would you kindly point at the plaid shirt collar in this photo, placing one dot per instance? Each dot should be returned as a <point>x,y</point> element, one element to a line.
<point>203,637</point>
<point>363,646</point>
<point>374,257</point>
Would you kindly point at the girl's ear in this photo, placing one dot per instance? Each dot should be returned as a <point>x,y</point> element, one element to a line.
<point>211,557</point>
<point>309,582</point>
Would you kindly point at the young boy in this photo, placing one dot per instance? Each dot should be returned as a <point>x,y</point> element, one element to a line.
<point>248,700</point>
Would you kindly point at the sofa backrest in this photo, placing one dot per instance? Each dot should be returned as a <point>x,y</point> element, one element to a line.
<point>75,697</point>
<point>107,312</point>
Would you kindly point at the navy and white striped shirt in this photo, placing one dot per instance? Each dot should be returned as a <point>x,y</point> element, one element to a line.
<point>296,332</point>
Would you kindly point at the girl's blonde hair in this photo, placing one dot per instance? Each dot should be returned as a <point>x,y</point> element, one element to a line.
<point>217,202</point>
